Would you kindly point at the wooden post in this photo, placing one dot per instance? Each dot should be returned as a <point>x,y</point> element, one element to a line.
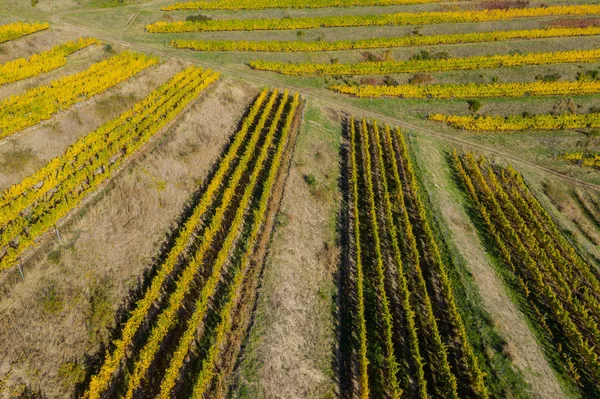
<point>57,233</point>
<point>20,267</point>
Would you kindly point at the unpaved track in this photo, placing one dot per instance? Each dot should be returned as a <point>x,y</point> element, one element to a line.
<point>317,95</point>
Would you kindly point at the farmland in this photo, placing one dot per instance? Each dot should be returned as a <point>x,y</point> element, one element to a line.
<point>299,199</point>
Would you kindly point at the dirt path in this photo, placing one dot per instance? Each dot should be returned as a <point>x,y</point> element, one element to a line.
<point>508,319</point>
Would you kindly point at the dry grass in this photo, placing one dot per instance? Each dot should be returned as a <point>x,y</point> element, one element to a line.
<point>81,282</point>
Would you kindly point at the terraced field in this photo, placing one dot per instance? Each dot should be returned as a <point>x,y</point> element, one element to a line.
<point>299,199</point>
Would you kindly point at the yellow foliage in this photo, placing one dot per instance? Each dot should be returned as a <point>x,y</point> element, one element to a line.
<point>403,18</point>
<point>383,42</point>
<point>19,29</point>
<point>429,65</point>
<point>473,90</point>
<point>258,5</point>
<point>37,64</point>
<point>519,122</point>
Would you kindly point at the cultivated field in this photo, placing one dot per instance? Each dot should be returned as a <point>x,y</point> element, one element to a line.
<point>299,199</point>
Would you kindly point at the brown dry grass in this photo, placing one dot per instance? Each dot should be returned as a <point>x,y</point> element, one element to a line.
<point>63,311</point>
<point>289,354</point>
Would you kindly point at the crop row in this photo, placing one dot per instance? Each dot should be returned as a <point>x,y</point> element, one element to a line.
<point>383,42</point>
<point>473,90</point>
<point>96,158</point>
<point>168,318</point>
<point>519,122</point>
<point>429,65</point>
<point>100,382</point>
<point>259,5</point>
<point>41,103</point>
<point>404,18</point>
<point>583,158</point>
<point>19,29</point>
<point>207,372</point>
<point>43,62</point>
<point>396,206</point>
<point>560,288</point>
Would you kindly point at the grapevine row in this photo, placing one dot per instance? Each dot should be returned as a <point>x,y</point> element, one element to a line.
<point>41,103</point>
<point>391,365</point>
<point>428,364</point>
<point>168,317</point>
<point>558,285</point>
<point>101,381</point>
<point>435,352</point>
<point>591,159</point>
<point>404,18</point>
<point>259,5</point>
<point>405,306</point>
<point>113,143</point>
<point>430,65</point>
<point>383,42</point>
<point>19,29</point>
<point>519,122</point>
<point>207,372</point>
<point>473,90</point>
<point>363,362</point>
<point>43,62</point>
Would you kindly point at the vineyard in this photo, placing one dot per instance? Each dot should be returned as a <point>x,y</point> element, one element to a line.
<point>557,285</point>
<point>34,206</point>
<point>211,277</point>
<point>386,205</point>
<point>303,199</point>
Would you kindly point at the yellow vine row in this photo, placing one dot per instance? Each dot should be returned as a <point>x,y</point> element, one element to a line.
<point>43,62</point>
<point>38,104</point>
<point>431,65</point>
<point>206,374</point>
<point>391,365</point>
<point>473,90</point>
<point>168,317</point>
<point>403,288</point>
<point>382,42</point>
<point>363,361</point>
<point>403,18</point>
<point>259,5</point>
<point>19,29</point>
<point>100,382</point>
<point>591,159</point>
<point>519,122</point>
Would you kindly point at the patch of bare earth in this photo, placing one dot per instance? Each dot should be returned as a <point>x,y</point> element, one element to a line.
<point>63,311</point>
<point>510,323</point>
<point>290,350</point>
